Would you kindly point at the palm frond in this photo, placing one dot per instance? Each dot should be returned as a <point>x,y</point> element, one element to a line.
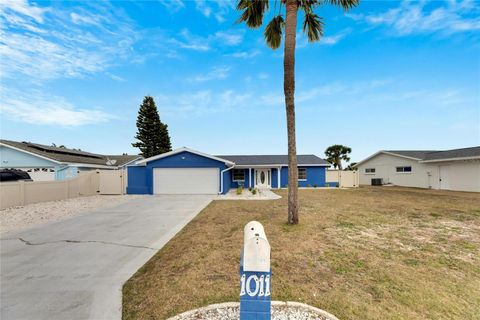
<point>308,5</point>
<point>274,31</point>
<point>313,26</point>
<point>345,4</point>
<point>252,12</point>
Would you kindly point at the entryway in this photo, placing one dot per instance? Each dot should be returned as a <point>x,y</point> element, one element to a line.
<point>263,178</point>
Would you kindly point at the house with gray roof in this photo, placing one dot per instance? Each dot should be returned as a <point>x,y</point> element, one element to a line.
<point>456,169</point>
<point>187,171</point>
<point>45,163</point>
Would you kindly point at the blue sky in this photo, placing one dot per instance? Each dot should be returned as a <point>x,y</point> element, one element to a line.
<point>386,75</point>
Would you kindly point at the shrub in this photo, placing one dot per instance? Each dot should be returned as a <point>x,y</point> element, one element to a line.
<point>250,189</point>
<point>309,185</point>
<point>239,190</point>
<point>327,185</point>
<point>315,185</point>
<point>254,191</point>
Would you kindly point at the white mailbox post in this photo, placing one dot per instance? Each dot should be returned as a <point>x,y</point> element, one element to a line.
<point>255,274</point>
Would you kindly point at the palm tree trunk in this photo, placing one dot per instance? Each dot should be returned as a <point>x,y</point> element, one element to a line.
<point>289,90</point>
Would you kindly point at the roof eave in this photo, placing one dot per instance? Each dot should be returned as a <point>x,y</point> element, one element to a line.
<point>451,159</point>
<point>184,149</point>
<point>385,152</point>
<point>31,153</point>
<point>278,165</point>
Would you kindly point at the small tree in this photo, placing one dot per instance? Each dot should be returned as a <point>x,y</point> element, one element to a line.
<point>152,134</point>
<point>336,153</point>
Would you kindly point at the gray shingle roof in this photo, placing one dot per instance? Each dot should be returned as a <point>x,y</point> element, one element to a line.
<point>455,153</point>
<point>303,159</point>
<point>65,155</point>
<point>417,154</point>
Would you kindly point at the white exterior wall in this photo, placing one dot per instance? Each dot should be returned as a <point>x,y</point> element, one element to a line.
<point>385,167</point>
<point>461,176</point>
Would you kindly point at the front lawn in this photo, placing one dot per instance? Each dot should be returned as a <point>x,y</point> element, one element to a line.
<point>367,253</point>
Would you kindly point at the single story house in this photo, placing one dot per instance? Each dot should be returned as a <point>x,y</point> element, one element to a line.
<point>45,163</point>
<point>186,171</point>
<point>457,169</point>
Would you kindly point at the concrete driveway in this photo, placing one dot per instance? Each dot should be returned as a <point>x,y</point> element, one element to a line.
<point>75,269</point>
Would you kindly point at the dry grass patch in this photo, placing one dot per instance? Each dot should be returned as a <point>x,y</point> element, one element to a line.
<point>368,253</point>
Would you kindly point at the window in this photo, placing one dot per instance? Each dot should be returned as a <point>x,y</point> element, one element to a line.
<point>370,170</point>
<point>404,169</point>
<point>238,175</point>
<point>302,174</point>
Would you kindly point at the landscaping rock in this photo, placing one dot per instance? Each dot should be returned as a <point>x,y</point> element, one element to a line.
<point>280,311</point>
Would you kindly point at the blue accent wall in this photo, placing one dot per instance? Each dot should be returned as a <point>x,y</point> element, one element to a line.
<point>11,158</point>
<point>140,181</point>
<point>235,184</point>
<point>315,177</point>
<point>137,180</point>
<point>274,178</point>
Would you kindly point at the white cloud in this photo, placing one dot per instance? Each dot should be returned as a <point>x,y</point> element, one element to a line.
<point>173,5</point>
<point>245,54</point>
<point>302,40</point>
<point>45,43</point>
<point>187,40</point>
<point>17,11</point>
<point>38,108</point>
<point>263,76</point>
<point>230,38</point>
<point>215,8</point>
<point>215,74</point>
<point>202,102</point>
<point>420,17</point>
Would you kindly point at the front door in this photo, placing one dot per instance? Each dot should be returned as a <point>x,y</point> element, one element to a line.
<point>262,178</point>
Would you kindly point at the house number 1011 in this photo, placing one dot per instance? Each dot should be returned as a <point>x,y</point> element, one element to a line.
<point>261,286</point>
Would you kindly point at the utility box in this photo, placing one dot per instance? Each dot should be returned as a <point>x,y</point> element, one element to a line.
<point>255,274</point>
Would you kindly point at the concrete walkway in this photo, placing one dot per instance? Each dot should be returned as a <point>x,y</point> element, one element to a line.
<point>75,269</point>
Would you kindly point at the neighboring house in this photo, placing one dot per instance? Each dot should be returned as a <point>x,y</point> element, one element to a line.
<point>457,169</point>
<point>186,171</point>
<point>45,163</point>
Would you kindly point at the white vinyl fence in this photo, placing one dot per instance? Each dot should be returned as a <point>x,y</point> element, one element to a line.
<point>87,183</point>
<point>345,179</point>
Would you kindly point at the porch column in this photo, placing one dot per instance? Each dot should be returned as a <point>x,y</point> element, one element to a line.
<point>278,177</point>
<point>249,177</point>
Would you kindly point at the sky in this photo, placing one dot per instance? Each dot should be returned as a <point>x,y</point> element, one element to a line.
<point>387,75</point>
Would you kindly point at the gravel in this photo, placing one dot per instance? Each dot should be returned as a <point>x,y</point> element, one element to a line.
<point>261,194</point>
<point>280,311</point>
<point>17,218</point>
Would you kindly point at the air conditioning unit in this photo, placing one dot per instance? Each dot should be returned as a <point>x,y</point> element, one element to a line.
<point>377,182</point>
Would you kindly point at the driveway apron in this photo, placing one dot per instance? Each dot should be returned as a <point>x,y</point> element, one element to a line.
<point>75,268</point>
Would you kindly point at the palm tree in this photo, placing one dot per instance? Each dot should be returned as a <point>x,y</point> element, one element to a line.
<point>336,153</point>
<point>252,12</point>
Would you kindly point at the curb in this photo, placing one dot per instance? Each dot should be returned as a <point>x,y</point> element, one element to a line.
<point>224,305</point>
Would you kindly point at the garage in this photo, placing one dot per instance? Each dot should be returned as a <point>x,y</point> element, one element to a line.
<point>185,180</point>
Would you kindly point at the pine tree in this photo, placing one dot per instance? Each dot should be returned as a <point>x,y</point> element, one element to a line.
<point>152,134</point>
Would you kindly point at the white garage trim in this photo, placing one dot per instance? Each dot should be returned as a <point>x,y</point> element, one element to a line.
<point>186,180</point>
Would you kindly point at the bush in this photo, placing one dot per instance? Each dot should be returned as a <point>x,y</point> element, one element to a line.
<point>250,189</point>
<point>239,190</point>
<point>315,185</point>
<point>309,185</point>
<point>254,191</point>
<point>327,185</point>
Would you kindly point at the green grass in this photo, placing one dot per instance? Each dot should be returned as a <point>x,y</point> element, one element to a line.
<point>367,253</point>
